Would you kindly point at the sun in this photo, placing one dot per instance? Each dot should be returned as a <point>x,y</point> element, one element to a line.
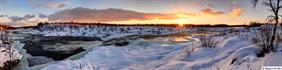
<point>181,18</point>
<point>181,15</point>
<point>180,21</point>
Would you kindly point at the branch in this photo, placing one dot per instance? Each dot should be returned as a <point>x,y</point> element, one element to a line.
<point>272,7</point>
<point>255,2</point>
<point>270,18</point>
<point>278,6</point>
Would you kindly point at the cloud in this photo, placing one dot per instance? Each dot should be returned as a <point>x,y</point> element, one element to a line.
<point>28,16</point>
<point>234,1</point>
<point>4,19</point>
<point>17,18</point>
<point>104,15</point>
<point>236,12</point>
<point>81,14</point>
<point>1,15</point>
<point>112,15</point>
<point>210,11</point>
<point>53,4</point>
<point>210,5</point>
<point>42,15</point>
<point>26,20</point>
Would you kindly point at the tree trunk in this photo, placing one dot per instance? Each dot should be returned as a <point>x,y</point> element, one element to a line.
<point>273,37</point>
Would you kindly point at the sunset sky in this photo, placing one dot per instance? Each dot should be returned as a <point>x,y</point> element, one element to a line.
<point>30,12</point>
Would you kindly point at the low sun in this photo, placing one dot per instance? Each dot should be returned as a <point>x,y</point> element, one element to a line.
<point>181,18</point>
<point>180,21</point>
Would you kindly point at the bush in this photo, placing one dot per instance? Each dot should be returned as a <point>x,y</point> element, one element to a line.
<point>262,39</point>
<point>244,36</point>
<point>208,41</point>
<point>279,34</point>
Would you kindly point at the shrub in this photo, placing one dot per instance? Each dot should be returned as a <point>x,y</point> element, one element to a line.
<point>262,39</point>
<point>208,41</point>
<point>244,36</point>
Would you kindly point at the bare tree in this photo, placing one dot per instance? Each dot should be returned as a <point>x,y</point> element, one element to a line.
<point>273,6</point>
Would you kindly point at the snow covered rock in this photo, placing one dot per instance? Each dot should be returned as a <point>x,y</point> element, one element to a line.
<point>10,56</point>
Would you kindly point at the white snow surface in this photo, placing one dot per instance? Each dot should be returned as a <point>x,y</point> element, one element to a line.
<point>9,54</point>
<point>103,31</point>
<point>230,54</point>
<point>108,32</point>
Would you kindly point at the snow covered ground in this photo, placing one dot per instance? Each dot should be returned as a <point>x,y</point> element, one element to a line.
<point>104,31</point>
<point>108,32</point>
<point>232,52</point>
<point>145,54</point>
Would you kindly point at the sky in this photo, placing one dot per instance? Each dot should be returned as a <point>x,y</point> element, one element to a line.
<point>30,12</point>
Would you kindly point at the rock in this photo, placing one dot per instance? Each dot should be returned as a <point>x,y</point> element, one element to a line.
<point>9,65</point>
<point>121,43</point>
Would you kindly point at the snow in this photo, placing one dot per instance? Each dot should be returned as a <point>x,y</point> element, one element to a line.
<point>105,32</point>
<point>9,54</point>
<point>111,57</point>
<point>158,53</point>
<point>157,56</point>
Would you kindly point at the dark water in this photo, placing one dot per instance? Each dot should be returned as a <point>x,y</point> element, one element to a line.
<point>34,45</point>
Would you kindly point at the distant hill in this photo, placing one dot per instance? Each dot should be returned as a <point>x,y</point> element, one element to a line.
<point>252,24</point>
<point>173,24</point>
<point>4,27</point>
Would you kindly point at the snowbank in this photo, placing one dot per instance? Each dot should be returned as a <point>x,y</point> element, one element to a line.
<point>230,54</point>
<point>9,52</point>
<point>103,31</point>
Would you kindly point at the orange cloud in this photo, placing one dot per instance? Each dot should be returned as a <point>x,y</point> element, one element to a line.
<point>236,12</point>
<point>169,16</point>
<point>210,11</point>
<point>122,16</point>
<point>4,19</point>
<point>111,14</point>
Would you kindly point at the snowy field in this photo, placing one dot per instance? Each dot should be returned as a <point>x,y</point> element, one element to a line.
<point>230,54</point>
